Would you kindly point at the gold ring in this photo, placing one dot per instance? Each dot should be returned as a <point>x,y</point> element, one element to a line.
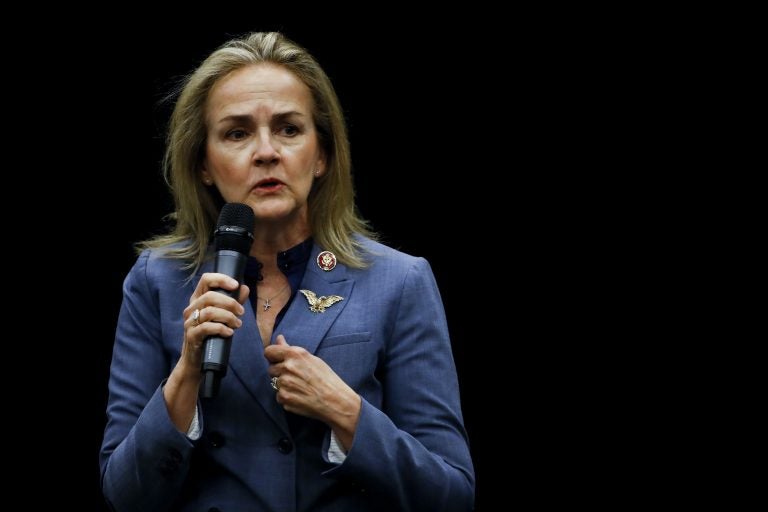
<point>275,384</point>
<point>196,317</point>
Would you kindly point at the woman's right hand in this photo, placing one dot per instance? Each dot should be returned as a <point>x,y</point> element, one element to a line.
<point>217,314</point>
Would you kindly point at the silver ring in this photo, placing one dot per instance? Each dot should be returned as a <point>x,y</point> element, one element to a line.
<point>275,384</point>
<point>196,317</point>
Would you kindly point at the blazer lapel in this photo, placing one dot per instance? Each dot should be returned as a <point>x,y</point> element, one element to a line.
<point>302,327</point>
<point>248,364</point>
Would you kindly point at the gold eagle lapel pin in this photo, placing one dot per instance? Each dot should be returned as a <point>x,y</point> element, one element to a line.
<point>318,304</point>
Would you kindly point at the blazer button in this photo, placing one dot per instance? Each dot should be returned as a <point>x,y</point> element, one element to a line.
<point>285,445</point>
<point>175,455</point>
<point>216,440</point>
<point>167,468</point>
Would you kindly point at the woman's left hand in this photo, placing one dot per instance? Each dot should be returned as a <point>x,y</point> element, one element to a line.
<point>309,387</point>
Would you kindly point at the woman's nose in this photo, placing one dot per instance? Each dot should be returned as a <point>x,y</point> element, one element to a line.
<point>265,151</point>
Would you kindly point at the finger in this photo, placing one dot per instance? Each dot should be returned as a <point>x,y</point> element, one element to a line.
<point>205,329</point>
<point>214,300</point>
<point>282,392</point>
<point>275,370</point>
<point>212,314</point>
<point>244,292</point>
<point>279,351</point>
<point>214,281</point>
<point>274,353</point>
<point>219,300</point>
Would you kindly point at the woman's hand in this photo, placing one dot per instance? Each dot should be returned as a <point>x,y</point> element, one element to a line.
<point>309,387</point>
<point>209,313</point>
<point>216,314</point>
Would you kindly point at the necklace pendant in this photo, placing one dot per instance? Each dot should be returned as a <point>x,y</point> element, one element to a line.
<point>267,305</point>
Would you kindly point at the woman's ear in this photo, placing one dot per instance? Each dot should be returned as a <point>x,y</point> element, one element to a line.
<point>320,167</point>
<point>205,176</point>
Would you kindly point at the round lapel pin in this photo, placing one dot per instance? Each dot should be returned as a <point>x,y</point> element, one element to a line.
<point>326,260</point>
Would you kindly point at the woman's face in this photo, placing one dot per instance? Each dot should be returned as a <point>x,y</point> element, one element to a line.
<point>262,148</point>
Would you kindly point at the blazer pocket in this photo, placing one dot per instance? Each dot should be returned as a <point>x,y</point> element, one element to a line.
<point>345,339</point>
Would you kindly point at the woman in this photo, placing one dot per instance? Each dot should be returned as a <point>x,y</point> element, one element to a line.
<point>331,403</point>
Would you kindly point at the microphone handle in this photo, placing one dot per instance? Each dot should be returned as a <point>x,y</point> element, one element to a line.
<point>216,348</point>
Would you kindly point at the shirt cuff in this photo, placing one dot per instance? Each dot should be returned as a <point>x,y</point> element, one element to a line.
<point>194,430</point>
<point>335,451</point>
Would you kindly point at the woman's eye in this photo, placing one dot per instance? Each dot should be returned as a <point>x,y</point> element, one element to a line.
<point>236,134</point>
<point>289,130</point>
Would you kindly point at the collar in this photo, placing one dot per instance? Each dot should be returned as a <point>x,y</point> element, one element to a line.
<point>290,261</point>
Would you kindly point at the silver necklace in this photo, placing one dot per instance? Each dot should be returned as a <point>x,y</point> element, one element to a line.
<point>267,304</point>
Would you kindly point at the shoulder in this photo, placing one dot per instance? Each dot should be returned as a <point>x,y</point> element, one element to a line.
<point>159,265</point>
<point>377,252</point>
<point>391,270</point>
<point>383,258</point>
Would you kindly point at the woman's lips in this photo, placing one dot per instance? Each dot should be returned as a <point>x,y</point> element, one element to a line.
<point>269,185</point>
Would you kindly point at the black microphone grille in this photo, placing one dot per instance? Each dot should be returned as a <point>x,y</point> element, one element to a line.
<point>235,228</point>
<point>237,214</point>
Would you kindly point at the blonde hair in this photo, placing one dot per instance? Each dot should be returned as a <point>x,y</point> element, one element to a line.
<point>334,220</point>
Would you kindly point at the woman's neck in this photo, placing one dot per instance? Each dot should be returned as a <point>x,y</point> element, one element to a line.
<point>268,242</point>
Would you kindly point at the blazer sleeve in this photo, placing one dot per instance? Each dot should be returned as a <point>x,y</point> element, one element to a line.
<point>144,458</point>
<point>415,451</point>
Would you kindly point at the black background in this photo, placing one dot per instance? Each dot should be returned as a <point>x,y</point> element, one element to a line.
<point>440,167</point>
<point>508,149</point>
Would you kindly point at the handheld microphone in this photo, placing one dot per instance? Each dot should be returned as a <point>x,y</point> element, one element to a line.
<point>232,240</point>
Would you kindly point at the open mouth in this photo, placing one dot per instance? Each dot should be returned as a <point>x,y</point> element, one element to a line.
<point>269,184</point>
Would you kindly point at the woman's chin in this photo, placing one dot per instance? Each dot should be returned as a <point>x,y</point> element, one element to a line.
<point>283,214</point>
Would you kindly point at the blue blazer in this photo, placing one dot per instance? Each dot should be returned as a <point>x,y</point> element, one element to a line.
<point>387,339</point>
